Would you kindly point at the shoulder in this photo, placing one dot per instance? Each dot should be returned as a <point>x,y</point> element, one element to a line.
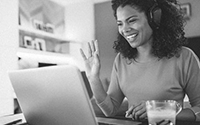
<point>186,50</point>
<point>187,53</point>
<point>119,58</point>
<point>187,56</point>
<point>120,62</point>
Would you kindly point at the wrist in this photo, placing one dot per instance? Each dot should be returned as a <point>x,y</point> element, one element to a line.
<point>93,78</point>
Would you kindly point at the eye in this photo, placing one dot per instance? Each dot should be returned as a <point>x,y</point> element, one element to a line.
<point>131,20</point>
<point>119,24</point>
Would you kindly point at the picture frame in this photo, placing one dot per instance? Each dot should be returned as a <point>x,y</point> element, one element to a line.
<point>37,24</point>
<point>186,10</point>
<point>36,45</point>
<point>40,44</point>
<point>28,42</point>
<point>50,28</point>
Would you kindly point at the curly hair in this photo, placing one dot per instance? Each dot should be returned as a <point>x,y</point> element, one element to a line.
<point>168,38</point>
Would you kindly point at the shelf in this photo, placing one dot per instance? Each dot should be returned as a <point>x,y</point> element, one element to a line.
<point>41,34</point>
<point>39,45</point>
<point>43,56</point>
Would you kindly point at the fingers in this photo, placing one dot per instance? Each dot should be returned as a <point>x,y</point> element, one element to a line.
<point>140,112</point>
<point>164,122</point>
<point>137,112</point>
<point>143,116</point>
<point>83,55</point>
<point>129,112</point>
<point>89,50</point>
<point>93,48</point>
<point>96,46</point>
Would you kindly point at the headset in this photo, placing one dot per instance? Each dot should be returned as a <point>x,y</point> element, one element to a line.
<point>155,14</point>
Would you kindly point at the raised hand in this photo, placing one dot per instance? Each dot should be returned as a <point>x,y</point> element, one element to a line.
<point>92,61</point>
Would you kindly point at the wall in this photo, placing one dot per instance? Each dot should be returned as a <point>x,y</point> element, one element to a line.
<point>193,24</point>
<point>8,47</point>
<point>106,34</point>
<point>79,22</point>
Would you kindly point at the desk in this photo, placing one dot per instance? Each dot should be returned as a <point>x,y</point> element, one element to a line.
<point>112,121</point>
<point>10,118</point>
<point>100,120</point>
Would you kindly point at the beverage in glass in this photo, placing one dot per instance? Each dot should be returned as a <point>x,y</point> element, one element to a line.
<point>158,111</point>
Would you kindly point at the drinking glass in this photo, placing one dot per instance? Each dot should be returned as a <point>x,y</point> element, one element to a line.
<point>159,110</point>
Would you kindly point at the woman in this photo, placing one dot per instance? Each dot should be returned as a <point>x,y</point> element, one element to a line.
<point>151,62</point>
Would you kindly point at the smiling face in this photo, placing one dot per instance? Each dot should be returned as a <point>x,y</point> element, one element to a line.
<point>134,27</point>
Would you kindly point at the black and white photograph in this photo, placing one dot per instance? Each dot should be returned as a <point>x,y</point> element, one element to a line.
<point>40,44</point>
<point>28,42</point>
<point>100,62</point>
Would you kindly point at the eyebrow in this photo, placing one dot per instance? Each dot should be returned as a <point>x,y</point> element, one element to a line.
<point>128,18</point>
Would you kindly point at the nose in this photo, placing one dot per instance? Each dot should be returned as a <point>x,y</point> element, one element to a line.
<point>126,28</point>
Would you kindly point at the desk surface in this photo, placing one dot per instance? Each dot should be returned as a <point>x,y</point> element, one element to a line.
<point>101,120</point>
<point>10,118</point>
<point>113,121</point>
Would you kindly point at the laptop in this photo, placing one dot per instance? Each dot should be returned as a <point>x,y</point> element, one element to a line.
<point>54,95</point>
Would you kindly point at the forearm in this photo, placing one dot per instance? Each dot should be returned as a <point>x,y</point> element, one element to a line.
<point>97,89</point>
<point>186,114</point>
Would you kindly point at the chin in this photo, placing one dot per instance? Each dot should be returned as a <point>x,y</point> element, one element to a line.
<point>133,44</point>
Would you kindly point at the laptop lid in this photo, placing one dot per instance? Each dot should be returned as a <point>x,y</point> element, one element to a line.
<point>53,95</point>
<point>87,84</point>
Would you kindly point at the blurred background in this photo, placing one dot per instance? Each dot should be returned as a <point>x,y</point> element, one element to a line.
<point>37,33</point>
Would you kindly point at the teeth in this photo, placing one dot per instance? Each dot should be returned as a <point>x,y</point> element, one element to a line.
<point>131,36</point>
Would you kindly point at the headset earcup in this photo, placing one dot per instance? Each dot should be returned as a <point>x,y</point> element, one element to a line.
<point>155,16</point>
<point>157,12</point>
